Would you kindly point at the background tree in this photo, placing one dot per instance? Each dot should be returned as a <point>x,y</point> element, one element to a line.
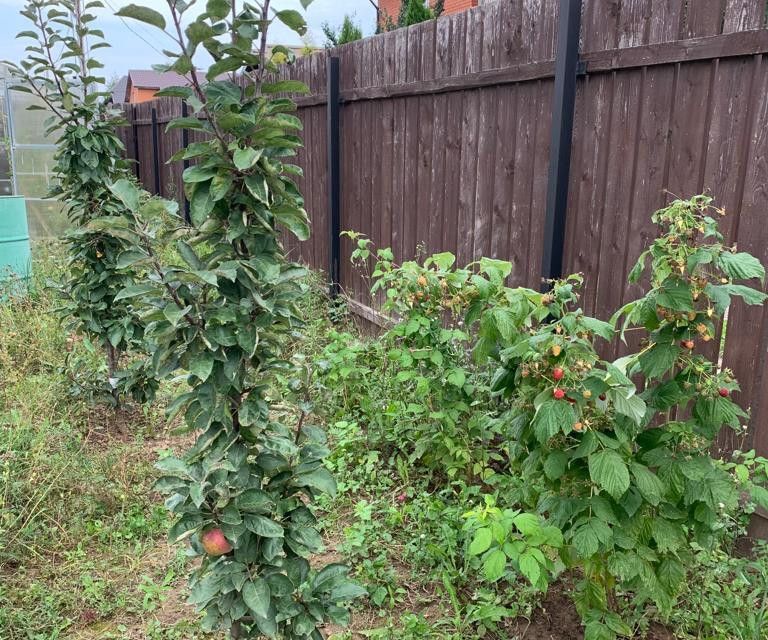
<point>60,70</point>
<point>348,32</point>
<point>413,12</point>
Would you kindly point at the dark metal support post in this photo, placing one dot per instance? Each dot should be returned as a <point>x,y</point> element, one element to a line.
<point>185,163</point>
<point>155,152</point>
<point>135,132</point>
<point>563,107</point>
<point>334,174</point>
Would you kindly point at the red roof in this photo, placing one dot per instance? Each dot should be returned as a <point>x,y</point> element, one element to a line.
<point>148,79</point>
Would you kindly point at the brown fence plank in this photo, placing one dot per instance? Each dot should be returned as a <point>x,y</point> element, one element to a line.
<point>742,15</point>
<point>592,136</point>
<point>704,18</point>
<point>623,124</point>
<point>426,104</point>
<point>600,24</point>
<point>751,234</point>
<point>665,18</point>
<point>634,23</point>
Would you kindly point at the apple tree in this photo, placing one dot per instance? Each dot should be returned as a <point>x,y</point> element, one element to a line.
<point>223,314</point>
<point>62,72</point>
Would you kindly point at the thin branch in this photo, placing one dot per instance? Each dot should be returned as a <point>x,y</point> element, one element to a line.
<point>263,44</point>
<point>196,85</point>
<point>82,44</point>
<point>48,49</point>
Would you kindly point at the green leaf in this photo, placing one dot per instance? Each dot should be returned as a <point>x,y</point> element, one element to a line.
<point>603,329</point>
<point>142,14</point>
<point>174,92</point>
<point>136,290</point>
<point>284,86</point>
<point>741,266</point>
<point>244,159</point>
<point>294,219</point>
<point>555,464</point>
<point>263,527</point>
<point>628,403</point>
<point>127,192</point>
<point>675,295</point>
<point>589,536</point>
<point>528,524</point>
<point>668,535</point>
<point>257,596</point>
<point>648,483</point>
<point>129,258</point>
<point>457,378</point>
<point>481,542</point>
<point>199,31</point>
<point>201,204</point>
<point>198,174</point>
<point>224,65</point>
<point>552,417</point>
<point>596,630</point>
<point>174,314</point>
<point>173,467</point>
<point>494,565</point>
<point>293,20</point>
<point>530,567</point>
<point>346,591</point>
<point>258,188</point>
<point>217,8</point>
<point>189,256</point>
<point>201,365</point>
<point>254,500</point>
<point>320,479</point>
<point>608,470</point>
<point>659,359</point>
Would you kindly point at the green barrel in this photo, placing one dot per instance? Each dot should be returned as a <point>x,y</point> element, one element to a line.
<point>15,253</point>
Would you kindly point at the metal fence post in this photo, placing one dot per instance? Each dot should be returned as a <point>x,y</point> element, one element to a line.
<point>334,175</point>
<point>563,106</point>
<point>155,152</point>
<point>185,164</point>
<point>135,133</point>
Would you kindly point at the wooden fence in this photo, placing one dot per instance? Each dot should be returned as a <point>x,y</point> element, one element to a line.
<point>445,138</point>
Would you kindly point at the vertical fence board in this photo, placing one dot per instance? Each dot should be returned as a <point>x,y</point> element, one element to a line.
<point>747,359</point>
<point>704,18</point>
<point>634,23</point>
<point>665,18</point>
<point>742,15</point>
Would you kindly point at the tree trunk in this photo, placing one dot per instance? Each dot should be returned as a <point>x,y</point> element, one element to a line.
<point>113,360</point>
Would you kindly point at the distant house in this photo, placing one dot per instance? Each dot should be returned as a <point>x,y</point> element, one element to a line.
<point>141,85</point>
<point>391,8</point>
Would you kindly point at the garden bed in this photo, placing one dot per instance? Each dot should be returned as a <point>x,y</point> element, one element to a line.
<point>88,559</point>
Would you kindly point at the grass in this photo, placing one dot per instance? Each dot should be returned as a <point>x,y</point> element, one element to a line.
<point>84,554</point>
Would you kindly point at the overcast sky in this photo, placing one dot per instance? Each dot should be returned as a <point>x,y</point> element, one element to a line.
<point>139,46</point>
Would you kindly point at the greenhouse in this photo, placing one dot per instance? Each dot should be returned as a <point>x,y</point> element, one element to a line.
<point>26,159</point>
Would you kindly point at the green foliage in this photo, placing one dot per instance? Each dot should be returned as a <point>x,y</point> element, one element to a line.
<point>224,313</point>
<point>504,538</point>
<point>630,487</point>
<point>348,32</point>
<point>624,474</point>
<point>60,70</point>
<point>727,599</point>
<point>413,12</point>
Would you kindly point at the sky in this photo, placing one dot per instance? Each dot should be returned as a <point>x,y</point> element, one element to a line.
<point>139,46</point>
